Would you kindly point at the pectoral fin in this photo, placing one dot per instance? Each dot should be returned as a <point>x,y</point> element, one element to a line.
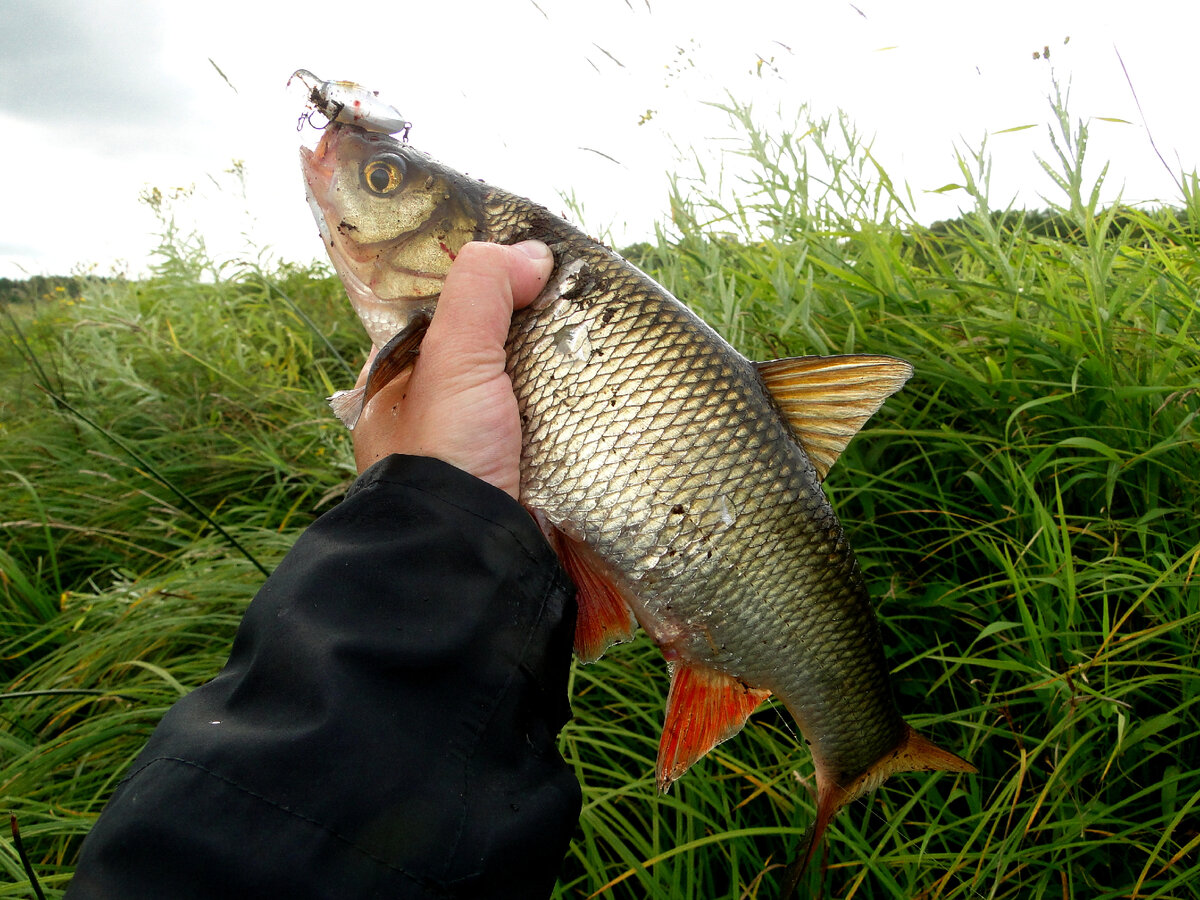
<point>827,399</point>
<point>704,708</point>
<point>396,357</point>
<point>348,405</point>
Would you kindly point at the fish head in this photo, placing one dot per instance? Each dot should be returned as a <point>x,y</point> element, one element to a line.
<point>392,220</point>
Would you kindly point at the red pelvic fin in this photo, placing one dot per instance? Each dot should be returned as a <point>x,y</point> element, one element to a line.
<point>604,617</point>
<point>704,708</point>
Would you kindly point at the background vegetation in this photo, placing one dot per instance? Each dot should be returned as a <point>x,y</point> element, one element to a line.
<point>1025,511</point>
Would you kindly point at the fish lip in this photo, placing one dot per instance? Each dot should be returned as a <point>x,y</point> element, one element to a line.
<point>320,176</point>
<point>318,168</point>
<point>320,159</point>
<point>315,206</point>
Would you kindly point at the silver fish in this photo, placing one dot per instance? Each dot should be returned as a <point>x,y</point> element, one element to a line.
<point>680,482</point>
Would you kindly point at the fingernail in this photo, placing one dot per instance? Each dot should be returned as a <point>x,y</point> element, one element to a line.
<point>534,249</point>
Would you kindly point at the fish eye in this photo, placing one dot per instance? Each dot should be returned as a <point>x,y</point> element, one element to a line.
<point>382,176</point>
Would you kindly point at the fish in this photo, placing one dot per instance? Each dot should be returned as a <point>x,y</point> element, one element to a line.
<point>679,483</point>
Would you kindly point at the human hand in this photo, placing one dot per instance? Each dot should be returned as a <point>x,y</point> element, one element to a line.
<point>456,403</point>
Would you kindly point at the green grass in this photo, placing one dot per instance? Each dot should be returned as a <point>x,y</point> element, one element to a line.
<point>1025,512</point>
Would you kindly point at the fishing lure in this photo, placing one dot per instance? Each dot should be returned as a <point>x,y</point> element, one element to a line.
<point>351,104</point>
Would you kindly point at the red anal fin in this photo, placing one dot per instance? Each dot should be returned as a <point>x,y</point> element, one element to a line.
<point>704,708</point>
<point>604,617</point>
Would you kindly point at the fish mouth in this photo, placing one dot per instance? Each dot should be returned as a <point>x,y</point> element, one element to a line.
<point>313,204</point>
<point>318,168</point>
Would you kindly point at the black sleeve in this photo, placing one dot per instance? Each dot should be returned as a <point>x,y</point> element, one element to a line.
<point>385,726</point>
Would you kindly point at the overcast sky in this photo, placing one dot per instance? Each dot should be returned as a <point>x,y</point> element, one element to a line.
<point>101,100</point>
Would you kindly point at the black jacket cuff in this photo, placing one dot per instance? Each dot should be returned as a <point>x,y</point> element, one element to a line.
<point>385,726</point>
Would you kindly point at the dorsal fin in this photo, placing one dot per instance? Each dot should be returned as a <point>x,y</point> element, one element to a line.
<point>827,399</point>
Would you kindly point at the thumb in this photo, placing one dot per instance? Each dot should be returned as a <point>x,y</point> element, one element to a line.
<point>483,287</point>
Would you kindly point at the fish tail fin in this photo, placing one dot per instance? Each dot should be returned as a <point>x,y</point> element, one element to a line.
<point>809,842</point>
<point>831,799</point>
<point>919,754</point>
<point>914,753</point>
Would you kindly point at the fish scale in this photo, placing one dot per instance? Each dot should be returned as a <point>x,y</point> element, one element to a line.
<point>641,348</point>
<point>679,482</point>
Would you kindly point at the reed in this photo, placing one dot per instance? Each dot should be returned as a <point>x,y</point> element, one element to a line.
<point>1024,510</point>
